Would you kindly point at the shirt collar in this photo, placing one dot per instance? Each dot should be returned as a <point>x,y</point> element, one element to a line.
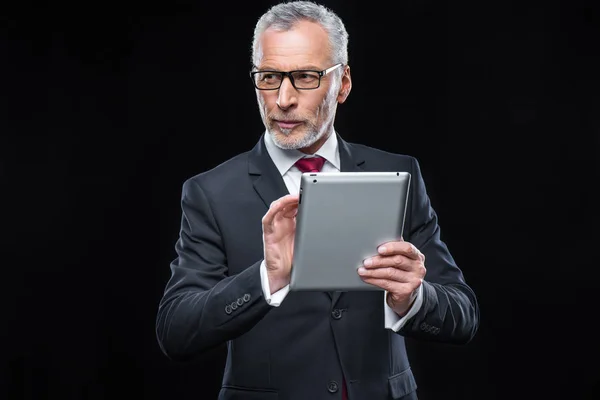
<point>285,159</point>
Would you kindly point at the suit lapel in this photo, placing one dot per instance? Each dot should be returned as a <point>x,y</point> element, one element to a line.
<point>349,160</point>
<point>268,183</point>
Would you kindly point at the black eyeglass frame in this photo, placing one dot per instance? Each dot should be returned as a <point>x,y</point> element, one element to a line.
<point>283,74</point>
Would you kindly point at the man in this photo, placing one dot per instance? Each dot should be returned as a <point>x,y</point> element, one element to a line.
<point>230,279</point>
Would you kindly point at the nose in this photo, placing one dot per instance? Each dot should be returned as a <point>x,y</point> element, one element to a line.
<point>287,96</point>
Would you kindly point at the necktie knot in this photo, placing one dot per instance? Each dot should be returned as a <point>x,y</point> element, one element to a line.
<point>310,164</point>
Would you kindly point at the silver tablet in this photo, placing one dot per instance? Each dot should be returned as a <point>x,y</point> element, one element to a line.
<point>342,218</point>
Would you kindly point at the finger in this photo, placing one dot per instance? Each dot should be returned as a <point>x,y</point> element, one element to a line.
<point>282,218</point>
<point>276,207</point>
<point>287,212</point>
<point>389,273</point>
<point>390,286</point>
<point>290,211</point>
<point>394,261</point>
<point>287,200</point>
<point>400,247</point>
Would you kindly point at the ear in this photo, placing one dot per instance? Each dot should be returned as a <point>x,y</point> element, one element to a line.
<point>346,85</point>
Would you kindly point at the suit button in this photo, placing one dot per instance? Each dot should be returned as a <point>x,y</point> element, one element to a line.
<point>246,297</point>
<point>240,301</point>
<point>234,305</point>
<point>336,313</point>
<point>332,386</point>
<point>228,309</point>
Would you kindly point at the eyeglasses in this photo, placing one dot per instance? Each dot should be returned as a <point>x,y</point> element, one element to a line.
<point>302,79</point>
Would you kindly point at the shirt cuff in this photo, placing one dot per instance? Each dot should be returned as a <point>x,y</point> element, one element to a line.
<point>392,320</point>
<point>276,298</point>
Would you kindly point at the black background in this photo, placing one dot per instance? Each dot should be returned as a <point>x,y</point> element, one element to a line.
<point>108,107</point>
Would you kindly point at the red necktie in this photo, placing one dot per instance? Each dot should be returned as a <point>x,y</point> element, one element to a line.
<point>314,164</point>
<point>310,164</point>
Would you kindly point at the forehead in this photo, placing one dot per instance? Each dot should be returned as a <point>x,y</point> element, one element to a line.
<point>306,44</point>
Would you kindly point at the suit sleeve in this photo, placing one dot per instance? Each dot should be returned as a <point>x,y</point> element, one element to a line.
<point>202,306</point>
<point>449,311</point>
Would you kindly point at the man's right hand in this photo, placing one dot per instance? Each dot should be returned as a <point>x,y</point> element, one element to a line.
<point>279,230</point>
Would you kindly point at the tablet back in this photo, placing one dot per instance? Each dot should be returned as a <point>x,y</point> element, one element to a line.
<point>342,218</point>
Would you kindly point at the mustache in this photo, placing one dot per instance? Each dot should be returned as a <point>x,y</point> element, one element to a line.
<point>285,117</point>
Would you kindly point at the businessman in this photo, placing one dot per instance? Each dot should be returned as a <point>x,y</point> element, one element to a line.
<point>229,281</point>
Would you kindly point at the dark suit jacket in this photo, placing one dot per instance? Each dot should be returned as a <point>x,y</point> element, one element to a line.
<point>301,349</point>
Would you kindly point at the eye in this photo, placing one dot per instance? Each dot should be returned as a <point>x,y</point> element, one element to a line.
<point>306,76</point>
<point>268,76</point>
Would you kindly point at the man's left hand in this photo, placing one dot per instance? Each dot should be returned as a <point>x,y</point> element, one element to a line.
<point>399,268</point>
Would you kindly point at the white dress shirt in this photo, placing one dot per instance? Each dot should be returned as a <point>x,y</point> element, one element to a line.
<point>284,161</point>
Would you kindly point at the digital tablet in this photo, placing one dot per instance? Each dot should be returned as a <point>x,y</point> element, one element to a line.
<point>342,218</point>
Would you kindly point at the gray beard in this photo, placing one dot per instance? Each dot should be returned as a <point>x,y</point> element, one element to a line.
<point>299,143</point>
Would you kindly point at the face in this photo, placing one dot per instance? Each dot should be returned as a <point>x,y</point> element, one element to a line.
<point>300,119</point>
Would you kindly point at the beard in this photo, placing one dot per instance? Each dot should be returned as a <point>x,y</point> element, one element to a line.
<point>299,137</point>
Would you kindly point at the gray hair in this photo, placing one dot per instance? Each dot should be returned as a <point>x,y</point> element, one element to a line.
<point>284,16</point>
